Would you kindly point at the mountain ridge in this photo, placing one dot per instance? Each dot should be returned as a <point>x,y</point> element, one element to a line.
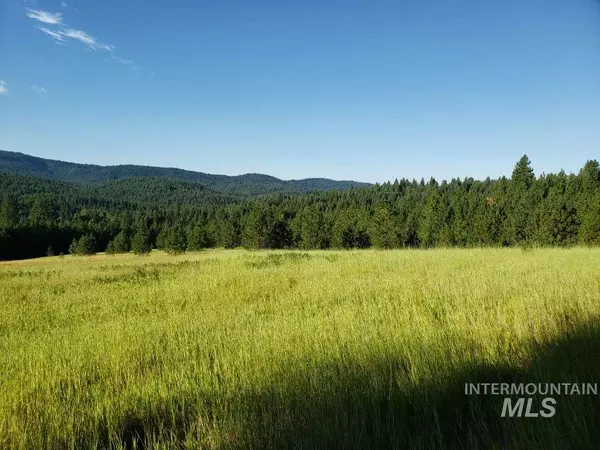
<point>252,184</point>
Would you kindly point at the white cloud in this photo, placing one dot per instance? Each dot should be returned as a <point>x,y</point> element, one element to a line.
<point>38,88</point>
<point>56,35</point>
<point>3,88</point>
<point>62,32</point>
<point>127,62</point>
<point>64,4</point>
<point>45,16</point>
<point>85,38</point>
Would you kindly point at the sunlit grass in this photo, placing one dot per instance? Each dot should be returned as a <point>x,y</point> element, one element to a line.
<point>236,349</point>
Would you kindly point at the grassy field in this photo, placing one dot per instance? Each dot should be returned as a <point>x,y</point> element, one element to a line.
<point>236,349</point>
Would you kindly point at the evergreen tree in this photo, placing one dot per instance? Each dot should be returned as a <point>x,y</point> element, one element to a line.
<point>120,244</point>
<point>384,229</point>
<point>431,222</point>
<point>140,243</point>
<point>175,241</point>
<point>9,216</point>
<point>344,232</point>
<point>265,228</point>
<point>589,204</point>
<point>310,226</point>
<point>85,245</point>
<point>589,231</point>
<point>550,210</point>
<point>590,176</point>
<point>556,214</point>
<point>197,238</point>
<point>229,233</point>
<point>41,212</point>
<point>350,231</point>
<point>519,202</point>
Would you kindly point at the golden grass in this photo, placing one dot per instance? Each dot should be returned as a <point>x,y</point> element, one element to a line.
<point>237,349</point>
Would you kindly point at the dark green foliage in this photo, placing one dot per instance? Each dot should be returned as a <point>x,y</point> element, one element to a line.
<point>555,209</point>
<point>588,206</point>
<point>197,238</point>
<point>519,203</point>
<point>250,184</point>
<point>310,228</point>
<point>556,215</point>
<point>589,231</point>
<point>350,230</point>
<point>140,243</point>
<point>41,212</point>
<point>226,229</point>
<point>9,214</point>
<point>85,245</point>
<point>120,244</point>
<point>384,229</point>
<point>434,225</point>
<point>174,240</point>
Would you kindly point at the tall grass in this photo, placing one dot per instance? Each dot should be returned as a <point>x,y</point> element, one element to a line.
<point>235,349</point>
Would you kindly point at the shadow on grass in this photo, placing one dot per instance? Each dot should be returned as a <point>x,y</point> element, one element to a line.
<point>347,405</point>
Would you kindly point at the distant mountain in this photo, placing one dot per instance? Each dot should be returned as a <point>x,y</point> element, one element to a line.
<point>87,174</point>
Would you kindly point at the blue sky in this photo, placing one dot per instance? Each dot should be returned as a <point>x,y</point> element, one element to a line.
<point>369,90</point>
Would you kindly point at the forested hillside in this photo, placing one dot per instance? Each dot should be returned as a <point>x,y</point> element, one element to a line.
<point>40,216</point>
<point>243,185</point>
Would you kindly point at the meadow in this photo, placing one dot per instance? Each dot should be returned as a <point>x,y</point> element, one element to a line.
<point>235,349</point>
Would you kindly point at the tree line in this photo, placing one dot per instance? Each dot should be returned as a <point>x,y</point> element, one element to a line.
<point>38,217</point>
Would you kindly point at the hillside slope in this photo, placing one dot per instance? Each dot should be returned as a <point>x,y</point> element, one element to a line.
<point>248,184</point>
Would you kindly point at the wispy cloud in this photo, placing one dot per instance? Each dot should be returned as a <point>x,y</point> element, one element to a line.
<point>86,39</point>
<point>45,16</point>
<point>56,35</point>
<point>38,88</point>
<point>64,4</point>
<point>127,62</point>
<point>3,88</point>
<point>63,33</point>
<point>78,35</point>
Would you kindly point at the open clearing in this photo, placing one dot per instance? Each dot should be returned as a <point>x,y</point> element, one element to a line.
<point>237,349</point>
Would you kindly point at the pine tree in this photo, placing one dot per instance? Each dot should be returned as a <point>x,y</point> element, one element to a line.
<point>197,238</point>
<point>140,243</point>
<point>344,231</point>
<point>556,215</point>
<point>519,202</point>
<point>383,229</point>
<point>310,227</point>
<point>41,212</point>
<point>86,245</point>
<point>589,204</point>
<point>229,233</point>
<point>110,250</point>
<point>175,240</point>
<point>350,230</point>
<point>73,247</point>
<point>431,222</point>
<point>120,244</point>
<point>9,215</point>
<point>589,230</point>
<point>258,228</point>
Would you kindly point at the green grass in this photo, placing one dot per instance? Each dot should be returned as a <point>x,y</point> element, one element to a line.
<point>235,349</point>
